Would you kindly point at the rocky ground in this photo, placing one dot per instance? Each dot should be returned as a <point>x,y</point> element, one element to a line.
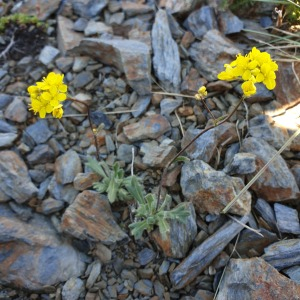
<point>60,239</point>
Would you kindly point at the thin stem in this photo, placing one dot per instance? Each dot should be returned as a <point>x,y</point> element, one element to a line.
<point>90,123</point>
<point>190,143</point>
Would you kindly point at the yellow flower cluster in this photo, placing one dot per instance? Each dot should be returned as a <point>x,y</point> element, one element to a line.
<point>46,96</point>
<point>201,93</point>
<point>254,67</point>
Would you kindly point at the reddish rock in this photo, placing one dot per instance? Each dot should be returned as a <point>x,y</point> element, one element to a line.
<point>150,127</point>
<point>90,217</point>
<point>255,279</point>
<point>192,82</point>
<point>83,181</point>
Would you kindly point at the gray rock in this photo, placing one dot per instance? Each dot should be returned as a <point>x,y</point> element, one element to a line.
<point>14,179</point>
<point>180,237</point>
<point>95,272</point>
<point>72,289</point>
<point>277,183</point>
<point>132,9</point>
<point>166,60</point>
<point>262,93</point>
<point>33,256</point>
<point>287,219</point>
<point>41,154</point>
<point>210,191</point>
<point>7,128</point>
<point>209,54</point>
<point>229,23</point>
<point>293,273</point>
<point>182,6</point>
<point>80,24</point>
<point>124,152</point>
<point>5,99</point>
<point>80,62</point>
<point>16,111</point>
<point>88,8</point>
<point>94,27</point>
<point>144,287</point>
<point>283,254</point>
<point>205,253</point>
<point>7,139</point>
<point>242,163</point>
<point>267,213</point>
<point>141,105</point>
<point>23,212</point>
<point>67,166</point>
<point>39,131</point>
<point>51,205</point>
<point>145,256</point>
<point>122,54</point>
<point>205,147</point>
<point>296,172</point>
<point>48,54</point>
<point>255,279</point>
<point>201,20</point>
<point>64,63</point>
<point>82,79</point>
<point>168,105</point>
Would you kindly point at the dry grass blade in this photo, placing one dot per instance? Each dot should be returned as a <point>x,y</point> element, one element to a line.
<point>246,226</point>
<point>231,203</point>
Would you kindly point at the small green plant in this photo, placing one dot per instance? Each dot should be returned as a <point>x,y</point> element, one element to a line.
<point>112,182</point>
<point>147,215</point>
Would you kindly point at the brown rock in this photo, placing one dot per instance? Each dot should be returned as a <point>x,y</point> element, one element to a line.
<point>83,181</point>
<point>192,82</point>
<point>67,38</point>
<point>90,217</point>
<point>131,9</point>
<point>150,127</point>
<point>14,178</point>
<point>255,279</point>
<point>185,111</point>
<point>16,110</point>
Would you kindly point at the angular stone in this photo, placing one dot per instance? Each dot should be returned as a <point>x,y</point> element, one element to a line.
<point>41,154</point>
<point>82,79</point>
<point>144,287</point>
<point>209,54</point>
<point>205,147</point>
<point>180,7</point>
<point>150,127</point>
<point>88,8</point>
<point>255,279</point>
<point>72,289</point>
<point>95,272</point>
<point>7,139</point>
<point>168,105</point>
<point>210,191</point>
<point>51,205</point>
<point>180,237</point>
<point>83,181</point>
<point>241,164</point>
<point>32,255</point>
<point>192,82</point>
<point>48,54</point>
<point>205,253</point>
<point>267,212</point>
<point>16,111</point>
<point>141,105</point>
<point>132,9</point>
<point>283,254</point>
<point>201,20</point>
<point>14,179</point>
<point>277,183</point>
<point>166,60</point>
<point>39,132</point>
<point>67,166</point>
<point>293,273</point>
<point>94,27</point>
<point>229,23</point>
<point>67,38</point>
<point>90,217</point>
<point>130,57</point>
<point>287,219</point>
<point>64,63</point>
<point>145,256</point>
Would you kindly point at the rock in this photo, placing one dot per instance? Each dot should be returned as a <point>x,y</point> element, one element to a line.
<point>267,213</point>
<point>83,181</point>
<point>41,9</point>
<point>286,89</point>
<point>255,279</point>
<point>33,256</point>
<point>141,105</point>
<point>48,54</point>
<point>200,21</point>
<point>67,166</point>
<point>7,139</point>
<point>132,9</point>
<point>166,60</point>
<point>41,154</point>
<point>82,79</point>
<point>72,289</point>
<point>180,7</point>
<point>277,183</point>
<point>67,39</point>
<point>229,23</point>
<point>99,117</point>
<point>241,164</point>
<point>180,237</point>
<point>64,63</point>
<point>95,272</point>
<point>4,100</point>
<point>93,28</point>
<point>80,24</point>
<point>157,156</point>
<point>287,219</point>
<point>169,105</point>
<point>263,127</point>
<point>130,57</point>
<point>293,273</point>
<point>296,172</point>
<point>145,256</point>
<point>210,191</point>
<point>80,63</point>
<point>262,93</point>
<point>90,217</point>
<point>144,287</point>
<point>150,127</point>
<point>204,295</point>
<point>7,128</point>
<point>283,254</point>
<point>205,147</point>
<point>16,111</point>
<point>124,152</point>
<point>250,242</point>
<point>103,253</point>
<point>209,54</point>
<point>88,8</point>
<point>205,253</point>
<point>51,205</point>
<point>192,82</point>
<point>39,132</point>
<point>14,179</point>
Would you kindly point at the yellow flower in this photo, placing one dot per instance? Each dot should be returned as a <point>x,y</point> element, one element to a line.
<point>202,92</point>
<point>46,96</point>
<point>248,88</point>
